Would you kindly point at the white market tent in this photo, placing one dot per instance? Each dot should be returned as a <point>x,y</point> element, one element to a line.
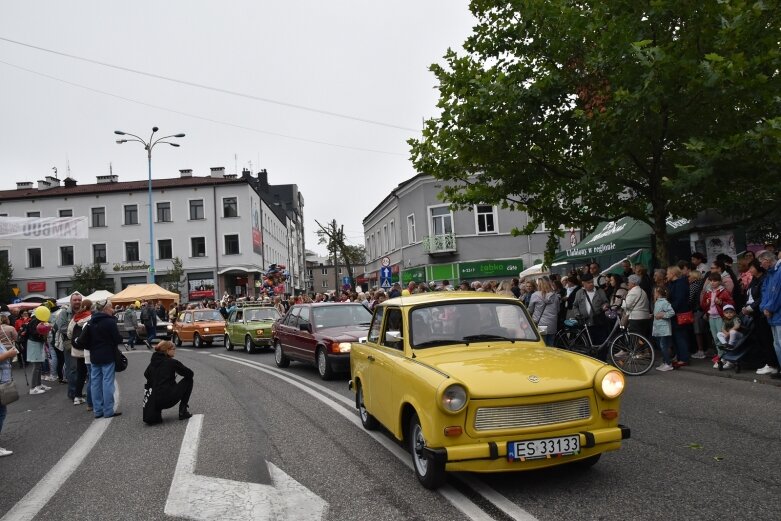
<point>101,294</point>
<point>533,272</point>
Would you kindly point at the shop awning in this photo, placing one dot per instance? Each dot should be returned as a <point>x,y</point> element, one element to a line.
<point>625,234</point>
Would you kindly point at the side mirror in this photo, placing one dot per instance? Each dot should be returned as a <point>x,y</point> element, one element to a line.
<point>305,326</point>
<point>392,337</point>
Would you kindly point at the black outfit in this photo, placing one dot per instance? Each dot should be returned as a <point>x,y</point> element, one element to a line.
<point>102,339</point>
<point>166,391</point>
<point>766,354</point>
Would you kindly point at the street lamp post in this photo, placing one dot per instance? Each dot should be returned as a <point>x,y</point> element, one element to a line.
<point>148,146</point>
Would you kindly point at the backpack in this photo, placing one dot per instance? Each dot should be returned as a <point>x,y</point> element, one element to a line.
<point>81,336</point>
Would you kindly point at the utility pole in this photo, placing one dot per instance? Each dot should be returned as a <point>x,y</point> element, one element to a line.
<point>336,269</point>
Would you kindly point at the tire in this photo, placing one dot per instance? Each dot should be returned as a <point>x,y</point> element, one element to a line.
<point>197,341</point>
<point>563,339</point>
<point>279,356</point>
<point>368,421</point>
<point>587,463</point>
<point>228,343</point>
<point>176,340</point>
<point>430,473</point>
<point>323,364</point>
<point>249,347</point>
<point>632,353</point>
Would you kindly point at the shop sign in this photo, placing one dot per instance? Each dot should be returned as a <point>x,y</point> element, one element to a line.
<point>497,268</point>
<point>414,275</point>
<point>36,287</point>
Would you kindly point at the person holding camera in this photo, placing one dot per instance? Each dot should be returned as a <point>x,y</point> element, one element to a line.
<point>161,381</point>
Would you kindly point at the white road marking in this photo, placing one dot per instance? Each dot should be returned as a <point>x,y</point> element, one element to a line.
<point>29,506</point>
<point>206,498</point>
<point>456,498</point>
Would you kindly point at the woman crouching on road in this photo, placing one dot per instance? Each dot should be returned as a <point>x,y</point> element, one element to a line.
<point>161,379</point>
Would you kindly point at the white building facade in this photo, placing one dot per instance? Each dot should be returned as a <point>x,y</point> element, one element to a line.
<point>218,226</point>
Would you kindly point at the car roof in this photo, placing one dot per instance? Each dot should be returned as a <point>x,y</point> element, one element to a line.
<point>323,304</point>
<point>446,296</point>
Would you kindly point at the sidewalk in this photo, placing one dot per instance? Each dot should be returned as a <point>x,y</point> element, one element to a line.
<point>705,366</point>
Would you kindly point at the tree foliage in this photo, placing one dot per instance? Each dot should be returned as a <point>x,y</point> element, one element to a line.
<point>88,279</point>
<point>172,280</point>
<point>6,274</point>
<point>579,112</point>
<point>349,255</point>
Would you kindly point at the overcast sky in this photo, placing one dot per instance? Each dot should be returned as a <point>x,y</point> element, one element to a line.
<point>366,60</point>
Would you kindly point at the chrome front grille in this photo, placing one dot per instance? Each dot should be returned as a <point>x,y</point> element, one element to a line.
<point>522,416</point>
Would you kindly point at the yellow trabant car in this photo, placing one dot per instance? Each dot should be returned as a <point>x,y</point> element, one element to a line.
<point>464,380</point>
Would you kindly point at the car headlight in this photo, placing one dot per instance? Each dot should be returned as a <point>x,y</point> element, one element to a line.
<point>170,327</point>
<point>206,330</point>
<point>454,398</point>
<point>612,385</point>
<point>344,347</point>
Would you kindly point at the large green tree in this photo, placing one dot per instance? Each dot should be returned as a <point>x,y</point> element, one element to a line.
<point>6,274</point>
<point>583,111</point>
<point>88,279</point>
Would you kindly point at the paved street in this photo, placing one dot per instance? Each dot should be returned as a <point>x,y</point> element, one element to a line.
<point>702,447</point>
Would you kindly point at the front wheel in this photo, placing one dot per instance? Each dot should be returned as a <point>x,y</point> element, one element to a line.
<point>324,365</point>
<point>228,343</point>
<point>176,340</point>
<point>279,357</point>
<point>430,472</point>
<point>249,347</point>
<point>368,421</point>
<point>632,353</point>
<point>197,341</point>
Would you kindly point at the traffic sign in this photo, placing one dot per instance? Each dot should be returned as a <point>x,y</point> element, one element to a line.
<point>385,283</point>
<point>345,281</point>
<point>385,277</point>
<point>16,291</point>
<point>385,261</point>
<point>16,301</point>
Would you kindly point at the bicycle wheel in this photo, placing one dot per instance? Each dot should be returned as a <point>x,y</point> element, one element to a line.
<point>577,342</point>
<point>564,338</point>
<point>632,353</point>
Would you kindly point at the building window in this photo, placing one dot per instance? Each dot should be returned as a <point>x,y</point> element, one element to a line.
<point>198,247</point>
<point>411,237</point>
<point>4,257</point>
<point>34,258</point>
<point>98,217</point>
<point>309,273</point>
<point>196,210</point>
<point>99,253</point>
<point>33,214</point>
<point>392,235</point>
<point>164,212</point>
<point>66,213</point>
<point>325,284</point>
<point>165,249</point>
<point>66,255</point>
<point>441,220</point>
<point>131,214</point>
<point>230,207</point>
<point>131,251</point>
<point>231,245</point>
<point>385,238</point>
<point>486,218</point>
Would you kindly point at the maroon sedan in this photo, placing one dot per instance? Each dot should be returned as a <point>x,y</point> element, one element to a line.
<point>320,334</point>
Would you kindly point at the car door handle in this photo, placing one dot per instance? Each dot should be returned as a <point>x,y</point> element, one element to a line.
<point>371,358</point>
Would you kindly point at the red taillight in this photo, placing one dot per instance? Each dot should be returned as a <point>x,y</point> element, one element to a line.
<point>610,414</point>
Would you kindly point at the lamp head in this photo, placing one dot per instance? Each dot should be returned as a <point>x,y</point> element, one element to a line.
<point>179,135</point>
<point>120,141</point>
<point>119,133</point>
<point>155,129</point>
<point>174,144</point>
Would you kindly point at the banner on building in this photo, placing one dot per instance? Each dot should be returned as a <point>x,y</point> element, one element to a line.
<point>36,228</point>
<point>257,235</point>
<point>200,289</point>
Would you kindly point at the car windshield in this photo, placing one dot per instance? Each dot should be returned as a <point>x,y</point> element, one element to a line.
<point>259,315</point>
<point>338,315</point>
<point>208,315</point>
<point>469,322</point>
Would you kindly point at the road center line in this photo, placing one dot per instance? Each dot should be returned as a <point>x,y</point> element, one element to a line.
<point>29,506</point>
<point>456,498</point>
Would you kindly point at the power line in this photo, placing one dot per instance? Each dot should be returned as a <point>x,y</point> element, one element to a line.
<point>208,87</point>
<point>202,118</point>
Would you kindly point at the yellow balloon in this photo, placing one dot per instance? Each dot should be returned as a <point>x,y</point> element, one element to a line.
<point>137,304</point>
<point>42,313</point>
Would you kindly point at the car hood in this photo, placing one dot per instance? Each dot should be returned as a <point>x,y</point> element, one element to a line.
<point>344,333</point>
<point>209,323</point>
<point>258,323</point>
<point>493,372</point>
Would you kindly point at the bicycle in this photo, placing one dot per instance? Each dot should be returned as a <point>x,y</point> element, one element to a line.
<point>630,352</point>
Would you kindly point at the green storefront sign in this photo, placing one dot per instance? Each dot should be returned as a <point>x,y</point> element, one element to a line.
<point>440,272</point>
<point>414,275</point>
<point>495,268</point>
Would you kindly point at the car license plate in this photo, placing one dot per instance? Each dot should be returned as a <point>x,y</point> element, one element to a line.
<point>543,448</point>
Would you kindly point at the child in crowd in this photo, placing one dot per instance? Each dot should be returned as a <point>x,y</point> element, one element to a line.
<point>712,301</point>
<point>730,332</point>
<point>662,329</point>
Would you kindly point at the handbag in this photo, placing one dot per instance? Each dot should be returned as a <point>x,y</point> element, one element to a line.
<point>8,393</point>
<point>120,361</point>
<point>685,318</point>
<point>141,330</point>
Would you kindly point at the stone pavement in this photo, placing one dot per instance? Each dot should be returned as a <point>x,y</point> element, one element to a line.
<point>705,366</point>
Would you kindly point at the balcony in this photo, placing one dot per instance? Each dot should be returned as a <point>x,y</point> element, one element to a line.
<point>440,244</point>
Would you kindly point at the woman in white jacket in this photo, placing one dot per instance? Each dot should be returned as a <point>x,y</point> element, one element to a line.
<point>544,308</point>
<point>636,304</point>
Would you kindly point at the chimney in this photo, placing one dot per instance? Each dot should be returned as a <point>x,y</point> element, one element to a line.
<point>69,182</point>
<point>230,176</point>
<point>263,179</point>
<point>53,181</point>
<point>218,171</point>
<point>24,185</point>
<point>187,172</point>
<point>43,185</point>
<point>102,179</point>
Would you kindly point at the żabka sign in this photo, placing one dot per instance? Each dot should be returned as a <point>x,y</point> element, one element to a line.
<point>35,228</point>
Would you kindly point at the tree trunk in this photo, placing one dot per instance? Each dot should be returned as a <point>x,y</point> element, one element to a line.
<point>660,233</point>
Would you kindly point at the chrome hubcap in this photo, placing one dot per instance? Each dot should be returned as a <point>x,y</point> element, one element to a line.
<point>321,362</point>
<point>420,442</point>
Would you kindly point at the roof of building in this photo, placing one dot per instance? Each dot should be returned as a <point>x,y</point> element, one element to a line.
<point>393,193</point>
<point>127,186</point>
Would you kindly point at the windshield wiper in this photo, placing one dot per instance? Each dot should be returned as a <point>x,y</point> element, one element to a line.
<point>365,324</point>
<point>440,342</point>
<point>470,338</point>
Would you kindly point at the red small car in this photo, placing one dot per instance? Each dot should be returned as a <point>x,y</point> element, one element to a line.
<point>320,334</point>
